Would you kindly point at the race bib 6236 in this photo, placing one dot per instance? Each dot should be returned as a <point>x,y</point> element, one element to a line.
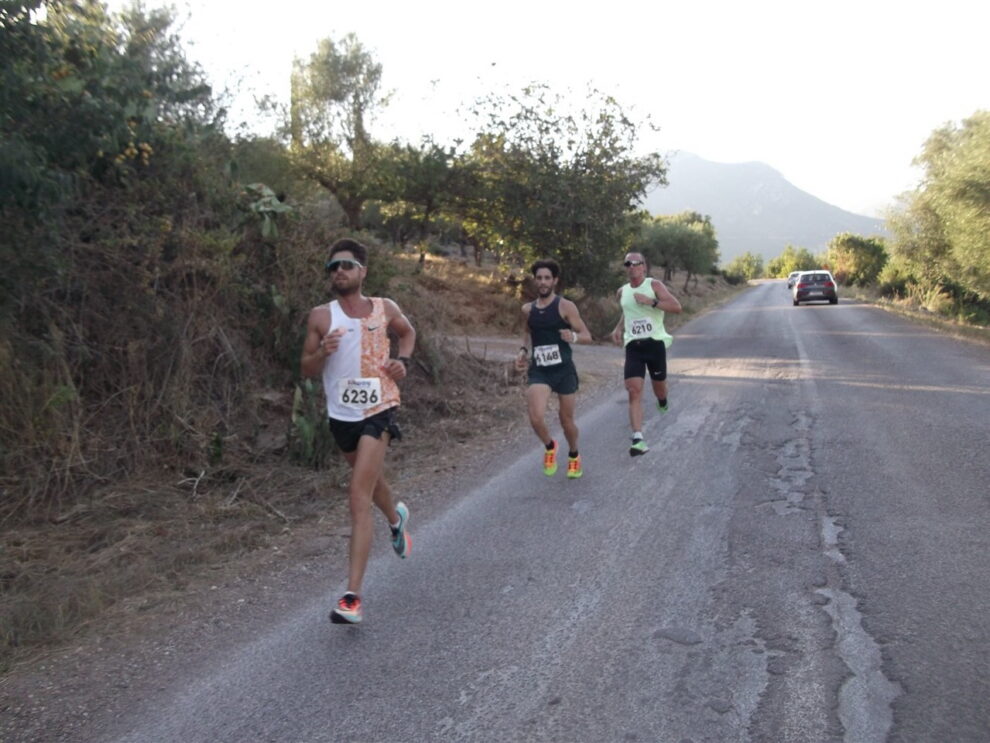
<point>361,392</point>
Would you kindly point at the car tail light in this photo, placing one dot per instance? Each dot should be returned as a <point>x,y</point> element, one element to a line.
<point>802,285</point>
<point>829,284</point>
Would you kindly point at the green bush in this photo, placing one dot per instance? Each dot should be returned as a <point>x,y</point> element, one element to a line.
<point>894,279</point>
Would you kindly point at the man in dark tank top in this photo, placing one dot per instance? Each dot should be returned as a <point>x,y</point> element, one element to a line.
<point>552,324</point>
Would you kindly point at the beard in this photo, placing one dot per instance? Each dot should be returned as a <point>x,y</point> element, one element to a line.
<point>345,290</point>
<point>544,291</point>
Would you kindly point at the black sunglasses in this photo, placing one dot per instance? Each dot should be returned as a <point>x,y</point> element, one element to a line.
<point>630,264</point>
<point>344,263</point>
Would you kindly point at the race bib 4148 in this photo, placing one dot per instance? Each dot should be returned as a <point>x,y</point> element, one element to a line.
<point>547,355</point>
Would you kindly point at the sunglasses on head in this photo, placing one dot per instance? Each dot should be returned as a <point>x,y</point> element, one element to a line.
<point>630,264</point>
<point>345,263</point>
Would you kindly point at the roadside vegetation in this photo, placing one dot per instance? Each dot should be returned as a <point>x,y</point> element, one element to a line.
<point>158,270</point>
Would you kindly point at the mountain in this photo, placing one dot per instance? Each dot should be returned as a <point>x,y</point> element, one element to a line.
<point>753,207</point>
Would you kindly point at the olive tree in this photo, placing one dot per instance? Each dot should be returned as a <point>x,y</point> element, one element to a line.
<point>855,259</point>
<point>334,97</point>
<point>538,180</point>
<point>941,228</point>
<point>790,260</point>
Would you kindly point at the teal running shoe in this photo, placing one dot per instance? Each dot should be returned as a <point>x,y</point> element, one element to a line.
<point>401,542</point>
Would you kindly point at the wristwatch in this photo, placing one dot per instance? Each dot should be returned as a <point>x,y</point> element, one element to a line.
<point>404,360</point>
<point>655,301</point>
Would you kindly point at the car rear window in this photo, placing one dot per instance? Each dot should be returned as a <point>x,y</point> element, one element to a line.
<point>816,277</point>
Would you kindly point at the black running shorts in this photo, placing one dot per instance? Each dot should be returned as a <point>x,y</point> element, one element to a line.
<point>348,433</point>
<point>560,378</point>
<point>646,354</point>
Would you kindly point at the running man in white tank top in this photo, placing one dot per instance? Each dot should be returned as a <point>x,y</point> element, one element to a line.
<point>348,346</point>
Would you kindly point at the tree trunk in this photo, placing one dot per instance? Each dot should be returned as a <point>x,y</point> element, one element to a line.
<point>352,210</point>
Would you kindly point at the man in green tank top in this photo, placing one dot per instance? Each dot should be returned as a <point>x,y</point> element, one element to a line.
<point>552,324</point>
<point>644,300</point>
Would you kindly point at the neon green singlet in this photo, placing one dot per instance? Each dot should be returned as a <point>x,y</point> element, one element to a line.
<point>641,320</point>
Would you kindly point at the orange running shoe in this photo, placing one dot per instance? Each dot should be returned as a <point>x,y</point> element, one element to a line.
<point>347,610</point>
<point>574,467</point>
<point>550,460</point>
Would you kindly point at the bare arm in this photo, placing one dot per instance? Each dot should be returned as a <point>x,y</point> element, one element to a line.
<point>617,331</point>
<point>522,357</point>
<point>399,324</point>
<point>319,343</point>
<point>665,300</point>
<point>570,313</point>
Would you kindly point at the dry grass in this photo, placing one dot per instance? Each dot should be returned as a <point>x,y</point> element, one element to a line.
<point>920,311</point>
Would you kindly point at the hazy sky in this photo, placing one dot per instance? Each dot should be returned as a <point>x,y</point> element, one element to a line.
<point>838,96</point>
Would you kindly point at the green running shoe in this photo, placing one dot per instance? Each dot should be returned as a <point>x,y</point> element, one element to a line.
<point>574,469</point>
<point>550,460</point>
<point>638,448</point>
<point>662,408</point>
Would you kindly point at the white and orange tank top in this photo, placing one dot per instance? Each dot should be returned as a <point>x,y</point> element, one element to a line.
<point>356,387</point>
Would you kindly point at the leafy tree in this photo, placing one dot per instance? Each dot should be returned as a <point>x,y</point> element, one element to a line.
<point>790,260</point>
<point>87,100</point>
<point>683,241</point>
<point>855,259</point>
<point>82,92</point>
<point>746,266</point>
<point>267,160</point>
<point>941,229</point>
<point>657,241</point>
<point>538,181</point>
<point>334,96</point>
<point>419,182</point>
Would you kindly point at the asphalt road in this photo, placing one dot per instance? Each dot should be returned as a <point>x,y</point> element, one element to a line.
<point>802,556</point>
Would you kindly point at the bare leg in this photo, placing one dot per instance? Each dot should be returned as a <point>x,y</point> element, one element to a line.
<point>537,397</point>
<point>382,497</point>
<point>367,462</point>
<point>660,389</point>
<point>634,386</point>
<point>567,405</point>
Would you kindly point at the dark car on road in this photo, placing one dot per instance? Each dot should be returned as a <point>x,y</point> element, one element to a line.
<point>812,286</point>
<point>790,278</point>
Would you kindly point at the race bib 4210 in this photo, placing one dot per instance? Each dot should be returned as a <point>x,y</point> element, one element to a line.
<point>641,327</point>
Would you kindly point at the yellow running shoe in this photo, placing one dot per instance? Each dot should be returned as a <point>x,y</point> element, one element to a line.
<point>550,460</point>
<point>574,467</point>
